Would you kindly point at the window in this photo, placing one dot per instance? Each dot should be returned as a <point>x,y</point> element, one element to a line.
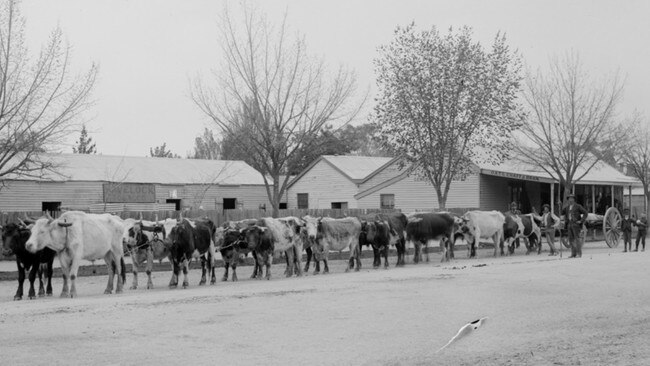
<point>339,205</point>
<point>386,201</point>
<point>176,203</point>
<point>303,200</point>
<point>51,207</point>
<point>283,205</point>
<point>229,203</point>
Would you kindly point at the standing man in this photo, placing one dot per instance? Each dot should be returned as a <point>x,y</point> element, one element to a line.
<point>626,228</point>
<point>550,223</point>
<point>574,217</point>
<point>642,225</point>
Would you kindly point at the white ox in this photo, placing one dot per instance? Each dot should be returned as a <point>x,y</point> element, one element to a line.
<point>328,234</point>
<point>285,232</point>
<point>77,235</point>
<point>479,225</point>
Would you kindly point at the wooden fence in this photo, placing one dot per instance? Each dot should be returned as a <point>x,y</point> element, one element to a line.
<point>218,217</point>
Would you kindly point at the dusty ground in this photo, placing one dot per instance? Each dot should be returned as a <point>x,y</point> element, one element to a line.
<point>542,311</point>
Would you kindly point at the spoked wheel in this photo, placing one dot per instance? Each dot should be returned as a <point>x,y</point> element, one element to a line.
<point>612,227</point>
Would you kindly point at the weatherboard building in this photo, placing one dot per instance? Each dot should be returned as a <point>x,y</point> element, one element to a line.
<point>104,183</point>
<point>372,182</point>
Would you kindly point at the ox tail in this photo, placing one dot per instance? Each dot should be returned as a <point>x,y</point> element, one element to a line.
<point>123,265</point>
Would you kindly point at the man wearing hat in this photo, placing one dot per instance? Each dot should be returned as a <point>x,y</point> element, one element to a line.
<point>574,217</point>
<point>626,228</point>
<point>550,223</point>
<point>642,226</point>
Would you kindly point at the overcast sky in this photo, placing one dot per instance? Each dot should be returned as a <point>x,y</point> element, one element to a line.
<point>148,50</point>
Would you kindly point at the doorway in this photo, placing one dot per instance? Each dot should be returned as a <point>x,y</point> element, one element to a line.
<point>176,202</point>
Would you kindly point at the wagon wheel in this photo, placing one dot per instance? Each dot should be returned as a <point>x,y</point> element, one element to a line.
<point>612,227</point>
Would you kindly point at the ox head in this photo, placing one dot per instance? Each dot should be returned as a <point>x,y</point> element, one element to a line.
<point>181,234</point>
<point>252,235</point>
<point>311,226</point>
<point>11,234</point>
<point>48,232</point>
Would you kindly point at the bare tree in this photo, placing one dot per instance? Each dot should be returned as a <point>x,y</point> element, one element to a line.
<point>269,87</point>
<point>209,180</point>
<point>39,98</point>
<point>445,102</point>
<point>637,156</point>
<point>571,116</point>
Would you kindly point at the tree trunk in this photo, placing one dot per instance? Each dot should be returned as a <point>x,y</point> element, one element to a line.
<point>442,199</point>
<point>276,197</point>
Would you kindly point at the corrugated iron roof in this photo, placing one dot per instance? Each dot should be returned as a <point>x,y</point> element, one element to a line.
<point>135,169</point>
<point>601,173</point>
<point>356,167</point>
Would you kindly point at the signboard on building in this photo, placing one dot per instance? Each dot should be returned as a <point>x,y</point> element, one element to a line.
<point>531,178</point>
<point>129,193</point>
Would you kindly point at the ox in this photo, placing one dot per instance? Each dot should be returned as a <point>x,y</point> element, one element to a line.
<point>328,234</point>
<point>77,235</point>
<point>191,240</point>
<point>477,225</point>
<point>277,236</point>
<point>308,242</point>
<point>425,227</point>
<point>396,235</point>
<point>14,237</point>
<point>144,243</point>
<point>530,232</point>
<point>230,240</point>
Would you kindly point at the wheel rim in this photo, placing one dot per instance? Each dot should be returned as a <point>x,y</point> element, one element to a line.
<point>612,227</point>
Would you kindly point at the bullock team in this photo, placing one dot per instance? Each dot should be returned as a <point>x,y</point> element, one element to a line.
<point>76,236</point>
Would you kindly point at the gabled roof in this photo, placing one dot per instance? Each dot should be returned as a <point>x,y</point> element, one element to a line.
<point>355,168</point>
<point>135,169</point>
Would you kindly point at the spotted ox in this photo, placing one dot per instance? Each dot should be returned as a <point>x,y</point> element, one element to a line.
<point>477,225</point>
<point>277,236</point>
<point>145,242</point>
<point>192,240</point>
<point>329,234</point>
<point>14,237</point>
<point>530,233</point>
<point>230,241</point>
<point>422,228</point>
<point>309,241</point>
<point>78,235</point>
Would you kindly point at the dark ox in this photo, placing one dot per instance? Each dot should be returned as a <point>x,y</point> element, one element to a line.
<point>192,240</point>
<point>14,237</point>
<point>378,235</point>
<point>230,241</point>
<point>260,242</point>
<point>397,235</point>
<point>77,235</point>
<point>425,227</point>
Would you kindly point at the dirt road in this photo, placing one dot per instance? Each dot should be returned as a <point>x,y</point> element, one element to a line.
<point>542,311</point>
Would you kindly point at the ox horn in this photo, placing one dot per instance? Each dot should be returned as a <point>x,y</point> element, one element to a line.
<point>64,224</point>
<point>21,222</point>
<point>140,216</point>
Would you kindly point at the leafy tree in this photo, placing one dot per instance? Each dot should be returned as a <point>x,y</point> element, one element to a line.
<point>445,102</point>
<point>85,144</point>
<point>206,147</point>
<point>271,96</point>
<point>571,117</point>
<point>162,152</point>
<point>39,98</point>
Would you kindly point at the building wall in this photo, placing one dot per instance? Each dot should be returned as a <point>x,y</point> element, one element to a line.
<point>494,193</point>
<point>412,194</point>
<point>325,185</point>
<point>29,195</point>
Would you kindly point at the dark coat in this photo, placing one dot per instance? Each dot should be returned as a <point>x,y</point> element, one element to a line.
<point>577,215</point>
<point>626,225</point>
